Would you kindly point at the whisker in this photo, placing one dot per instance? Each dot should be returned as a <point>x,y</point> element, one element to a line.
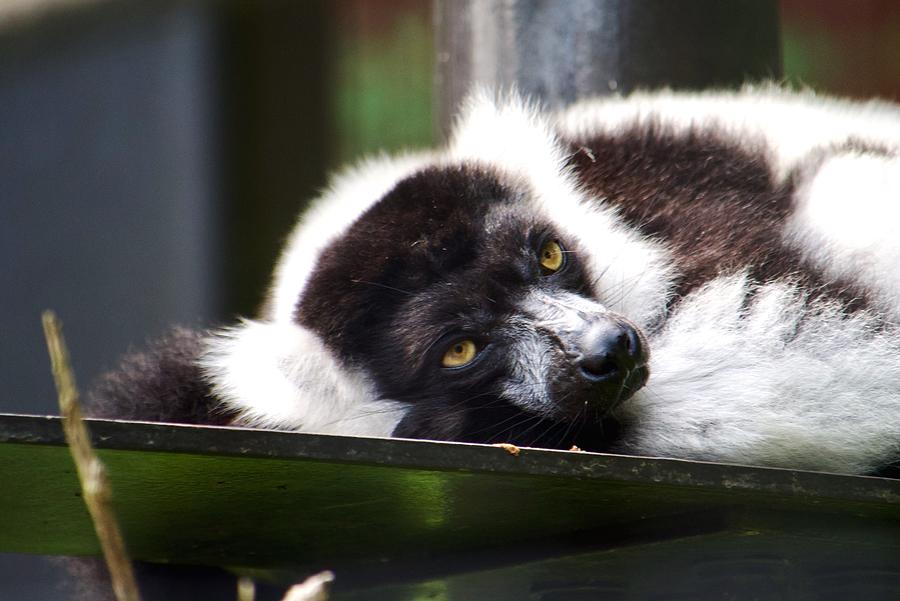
<point>572,422</point>
<point>510,431</point>
<point>531,428</point>
<point>379,285</point>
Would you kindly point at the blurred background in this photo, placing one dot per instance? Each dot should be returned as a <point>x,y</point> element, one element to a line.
<point>154,153</point>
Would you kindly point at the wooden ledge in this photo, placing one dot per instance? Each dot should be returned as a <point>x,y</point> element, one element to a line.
<point>281,500</point>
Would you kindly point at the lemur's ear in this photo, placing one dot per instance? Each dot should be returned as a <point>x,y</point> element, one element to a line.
<point>508,132</point>
<point>349,195</point>
<point>281,376</point>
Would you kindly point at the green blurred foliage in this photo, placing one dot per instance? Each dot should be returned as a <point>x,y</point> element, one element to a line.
<point>849,48</point>
<point>384,57</point>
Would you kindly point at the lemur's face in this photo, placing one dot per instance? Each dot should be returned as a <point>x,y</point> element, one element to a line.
<point>460,300</point>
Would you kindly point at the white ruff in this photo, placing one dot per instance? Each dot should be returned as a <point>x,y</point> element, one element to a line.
<point>281,376</point>
<point>777,383</point>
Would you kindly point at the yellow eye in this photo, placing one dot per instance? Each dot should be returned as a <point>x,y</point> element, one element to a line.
<point>551,256</point>
<point>461,353</point>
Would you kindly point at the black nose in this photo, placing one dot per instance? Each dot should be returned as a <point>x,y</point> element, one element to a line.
<point>609,350</point>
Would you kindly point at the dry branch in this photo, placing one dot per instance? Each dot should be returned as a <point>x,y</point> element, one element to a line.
<point>91,473</point>
<point>314,588</point>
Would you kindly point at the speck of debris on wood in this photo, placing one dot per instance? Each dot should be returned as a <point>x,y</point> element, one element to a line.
<point>509,448</point>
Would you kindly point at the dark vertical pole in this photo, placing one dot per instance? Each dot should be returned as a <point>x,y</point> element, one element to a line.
<point>276,143</point>
<point>559,51</point>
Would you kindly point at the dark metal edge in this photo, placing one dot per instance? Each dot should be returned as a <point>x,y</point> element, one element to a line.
<point>451,456</point>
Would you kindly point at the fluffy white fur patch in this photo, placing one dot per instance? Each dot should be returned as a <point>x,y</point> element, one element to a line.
<point>847,223</point>
<point>281,376</point>
<point>788,125</point>
<point>633,276</point>
<point>774,382</point>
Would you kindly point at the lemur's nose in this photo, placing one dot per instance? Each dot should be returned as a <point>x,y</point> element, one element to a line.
<point>609,350</point>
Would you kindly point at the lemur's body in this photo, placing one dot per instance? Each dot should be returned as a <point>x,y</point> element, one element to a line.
<point>711,276</point>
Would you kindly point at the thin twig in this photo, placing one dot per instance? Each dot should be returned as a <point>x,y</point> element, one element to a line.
<point>91,473</point>
<point>246,589</point>
<point>314,588</point>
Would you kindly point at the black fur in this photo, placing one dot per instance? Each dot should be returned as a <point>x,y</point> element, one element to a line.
<point>162,383</point>
<point>422,230</point>
<point>419,270</point>
<point>714,202</point>
<point>448,253</point>
<point>489,420</point>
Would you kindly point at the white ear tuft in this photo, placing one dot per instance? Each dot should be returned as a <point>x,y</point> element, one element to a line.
<point>507,131</point>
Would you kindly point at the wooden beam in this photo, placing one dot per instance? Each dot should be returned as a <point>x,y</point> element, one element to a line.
<point>387,509</point>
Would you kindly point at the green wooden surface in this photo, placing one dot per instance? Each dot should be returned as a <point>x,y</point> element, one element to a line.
<point>393,510</point>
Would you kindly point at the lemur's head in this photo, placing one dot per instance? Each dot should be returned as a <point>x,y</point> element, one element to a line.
<point>472,295</point>
<point>458,297</point>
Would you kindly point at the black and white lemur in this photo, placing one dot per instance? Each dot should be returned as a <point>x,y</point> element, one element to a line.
<point>709,276</point>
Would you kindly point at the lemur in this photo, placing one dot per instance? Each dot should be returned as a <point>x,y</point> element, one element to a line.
<point>711,276</point>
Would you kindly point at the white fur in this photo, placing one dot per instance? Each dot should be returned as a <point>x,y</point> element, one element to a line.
<point>632,274</point>
<point>564,313</point>
<point>281,376</point>
<point>847,223</point>
<point>513,139</point>
<point>779,382</point>
<point>788,125</point>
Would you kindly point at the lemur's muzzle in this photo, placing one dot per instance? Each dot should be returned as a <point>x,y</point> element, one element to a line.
<point>609,349</point>
<point>611,360</point>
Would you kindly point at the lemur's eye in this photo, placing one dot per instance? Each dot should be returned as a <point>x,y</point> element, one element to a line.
<point>460,353</point>
<point>552,257</point>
